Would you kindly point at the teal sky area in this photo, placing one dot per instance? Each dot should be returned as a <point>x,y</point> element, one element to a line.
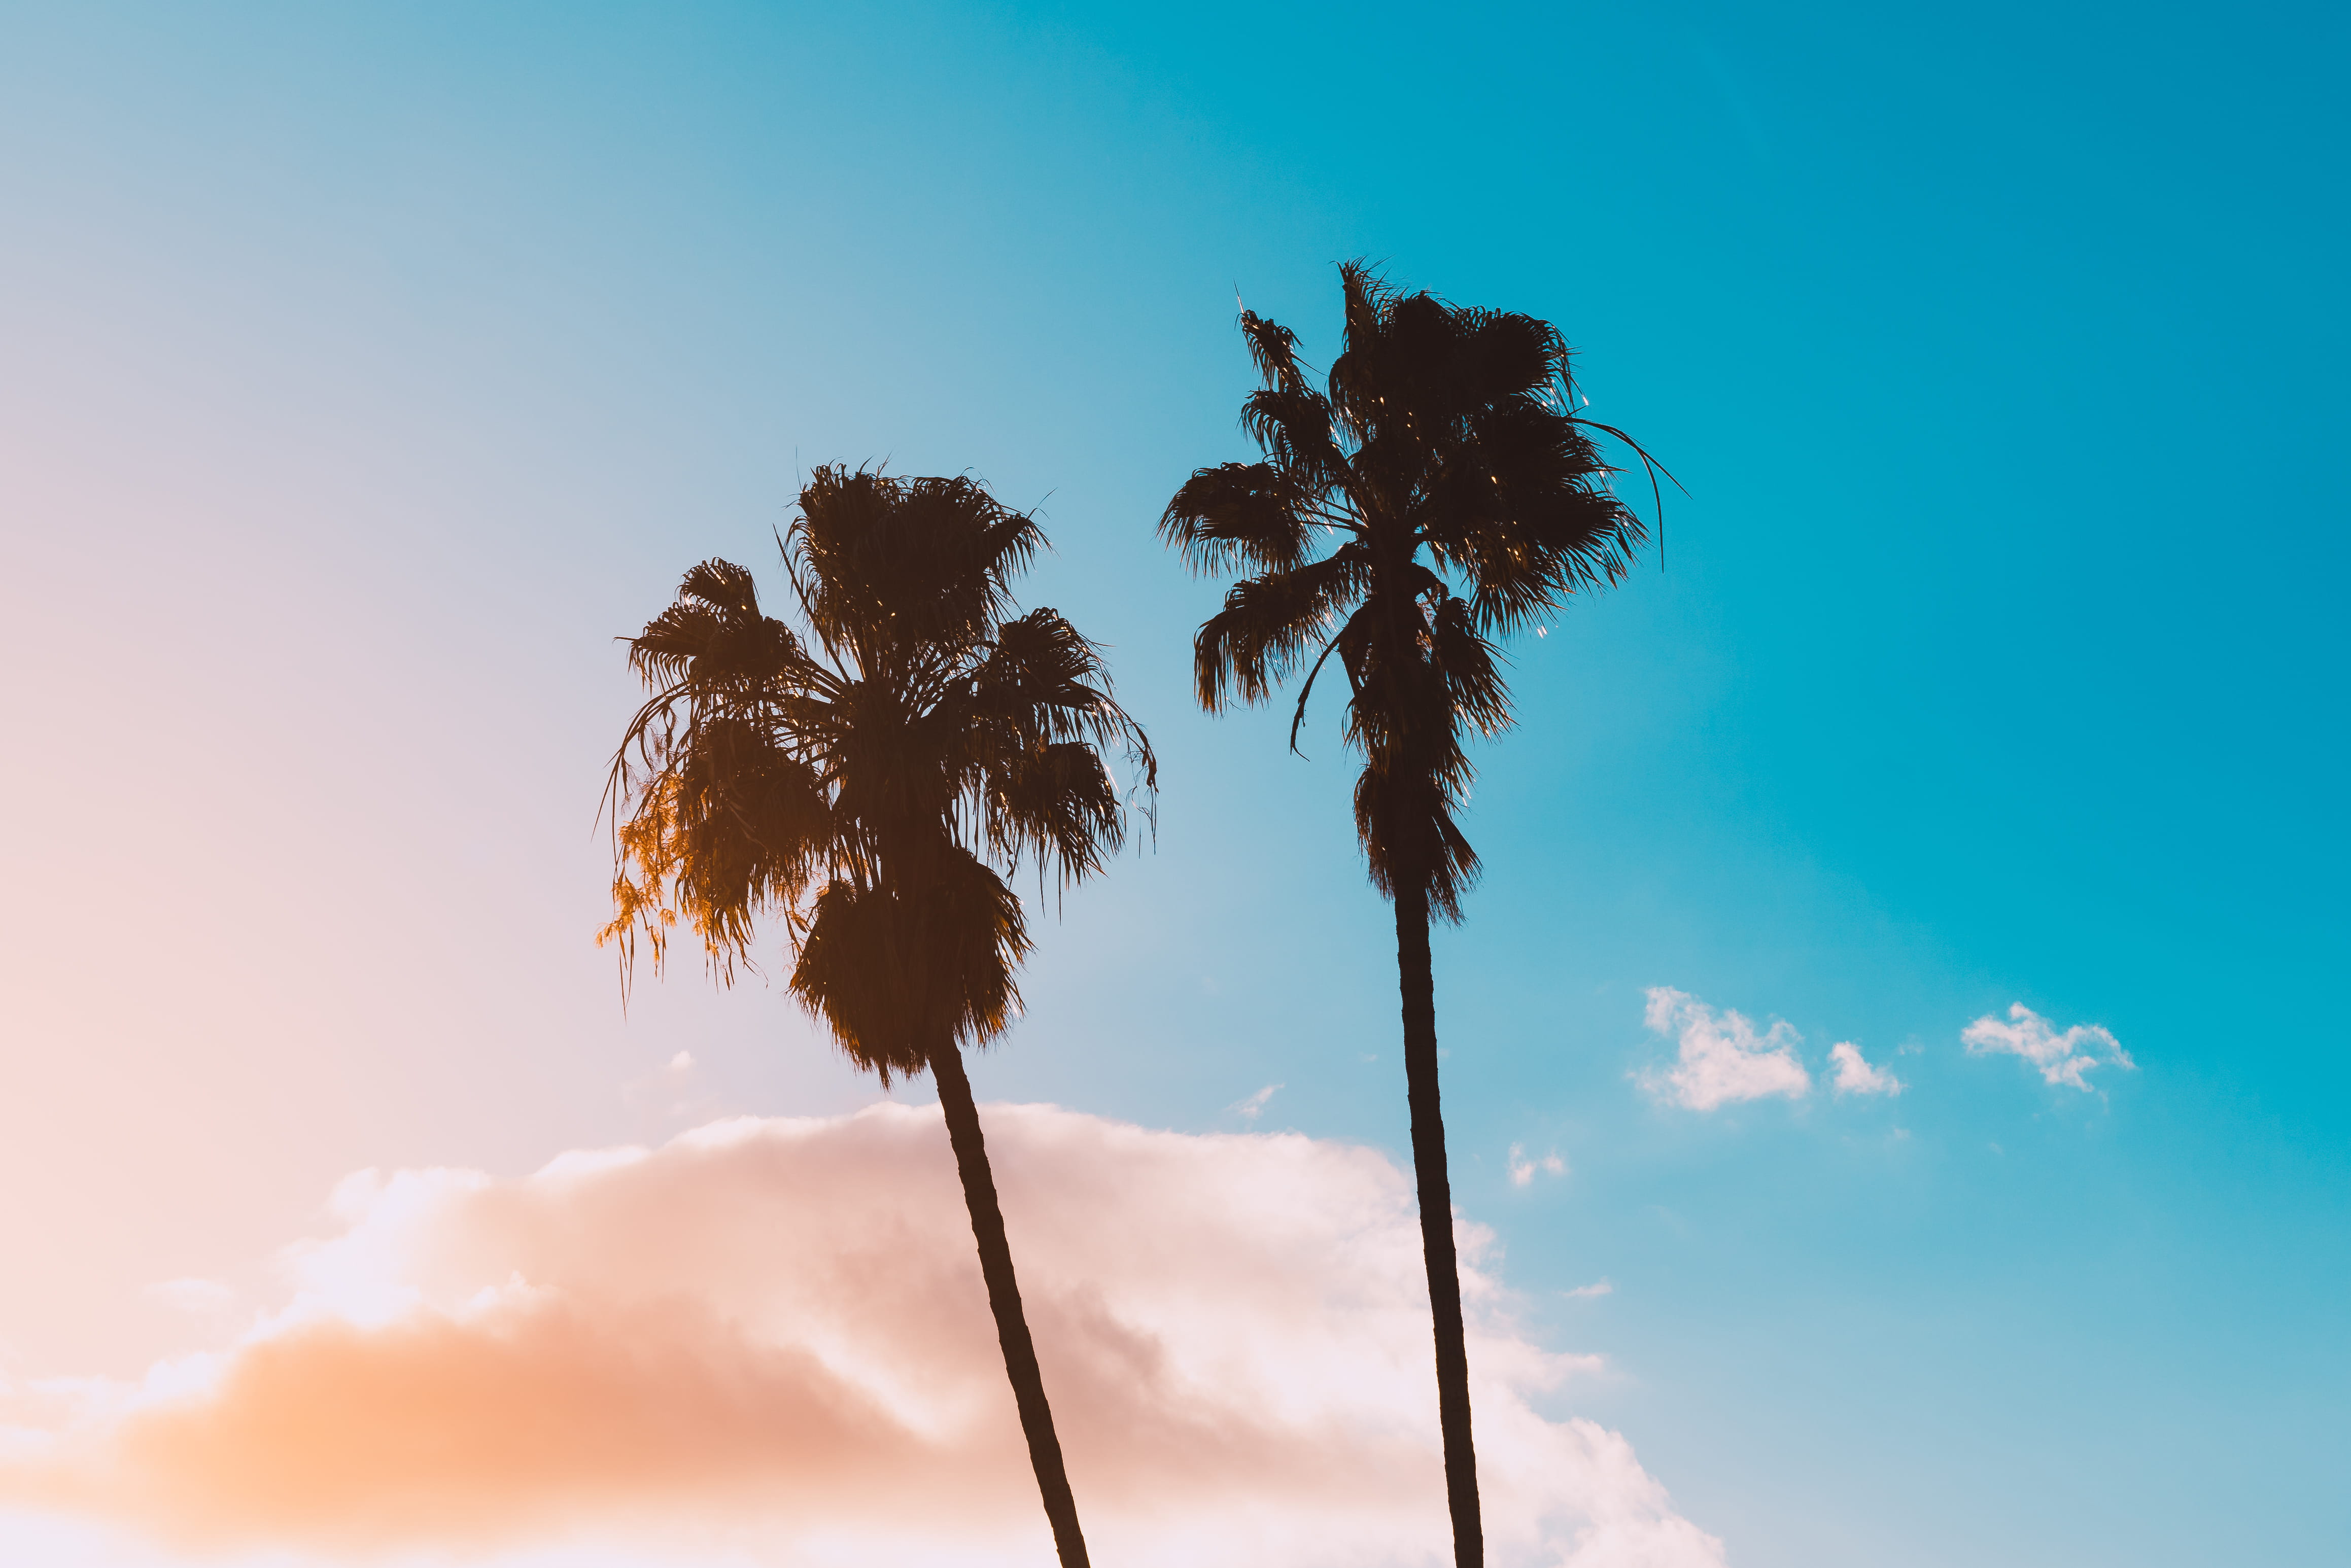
<point>366,372</point>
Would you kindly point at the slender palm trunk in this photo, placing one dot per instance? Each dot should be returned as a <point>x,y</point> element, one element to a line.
<point>1417,978</point>
<point>1004,1300</point>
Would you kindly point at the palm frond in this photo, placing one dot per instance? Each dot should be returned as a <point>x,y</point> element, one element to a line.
<point>1503,355</point>
<point>728,826</point>
<point>1040,675</point>
<point>895,568</point>
<point>860,973</point>
<point>1651,466</point>
<point>897,976</point>
<point>714,630</point>
<point>1239,513</point>
<point>1474,688</point>
<point>1298,433</point>
<point>1274,349</point>
<point>1268,622</point>
<point>1355,632</point>
<point>1382,806</point>
<point>1059,804</point>
<point>1043,684</point>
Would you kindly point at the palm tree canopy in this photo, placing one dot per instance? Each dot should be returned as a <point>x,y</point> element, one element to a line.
<point>873,775</point>
<point>1444,448</point>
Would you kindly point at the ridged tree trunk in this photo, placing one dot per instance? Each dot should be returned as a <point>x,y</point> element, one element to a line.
<point>1417,978</point>
<point>1004,1300</point>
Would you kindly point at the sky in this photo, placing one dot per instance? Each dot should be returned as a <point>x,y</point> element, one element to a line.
<point>1891,1077</point>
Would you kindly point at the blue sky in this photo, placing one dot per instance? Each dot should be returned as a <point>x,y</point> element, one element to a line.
<point>368,372</point>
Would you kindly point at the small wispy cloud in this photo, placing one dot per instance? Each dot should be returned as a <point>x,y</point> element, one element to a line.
<point>683,1062</point>
<point>2062,1058</point>
<point>1855,1075</point>
<point>1523,1170</point>
<point>1587,1293</point>
<point>1250,1109</point>
<point>1722,1059</point>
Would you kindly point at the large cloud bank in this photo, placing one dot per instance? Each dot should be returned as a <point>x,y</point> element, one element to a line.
<point>770,1338</point>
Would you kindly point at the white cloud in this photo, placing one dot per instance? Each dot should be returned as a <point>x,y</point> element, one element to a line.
<point>1588,1292</point>
<point>1250,1109</point>
<point>1722,1059</point>
<point>2062,1058</point>
<point>683,1062</point>
<point>1523,1170</point>
<point>1855,1075</point>
<point>768,1341</point>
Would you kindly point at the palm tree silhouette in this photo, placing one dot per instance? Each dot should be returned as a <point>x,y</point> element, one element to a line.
<point>1445,448</point>
<point>865,779</point>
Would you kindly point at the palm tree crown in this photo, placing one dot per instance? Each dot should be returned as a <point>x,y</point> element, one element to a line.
<point>916,732</point>
<point>1446,449</point>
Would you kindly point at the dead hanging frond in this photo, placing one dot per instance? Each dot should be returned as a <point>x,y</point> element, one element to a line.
<point>1653,468</point>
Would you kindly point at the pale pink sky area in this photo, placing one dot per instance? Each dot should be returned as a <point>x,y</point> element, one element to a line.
<point>767,1339</point>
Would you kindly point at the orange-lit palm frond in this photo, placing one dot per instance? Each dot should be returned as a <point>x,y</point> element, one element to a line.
<point>722,820</point>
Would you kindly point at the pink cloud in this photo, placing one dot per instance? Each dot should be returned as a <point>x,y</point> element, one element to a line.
<point>2061,1056</point>
<point>1722,1058</point>
<point>771,1336</point>
<point>1855,1075</point>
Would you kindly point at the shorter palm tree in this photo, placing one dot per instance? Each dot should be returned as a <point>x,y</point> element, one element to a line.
<point>871,780</point>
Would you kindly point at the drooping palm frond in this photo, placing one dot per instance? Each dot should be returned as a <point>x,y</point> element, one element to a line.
<point>894,979</point>
<point>1445,875</point>
<point>1041,717</point>
<point>1039,678</point>
<point>722,822</point>
<point>1300,436</point>
<point>1471,668</point>
<point>1241,514</point>
<point>1059,805</point>
<point>1269,622</point>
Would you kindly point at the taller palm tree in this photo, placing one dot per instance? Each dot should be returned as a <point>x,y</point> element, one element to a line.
<point>1444,449</point>
<point>871,780</point>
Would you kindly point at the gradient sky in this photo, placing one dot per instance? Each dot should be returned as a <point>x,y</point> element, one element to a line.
<point>366,372</point>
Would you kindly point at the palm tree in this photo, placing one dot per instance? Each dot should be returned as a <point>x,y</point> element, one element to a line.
<point>866,779</point>
<point>1445,448</point>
